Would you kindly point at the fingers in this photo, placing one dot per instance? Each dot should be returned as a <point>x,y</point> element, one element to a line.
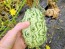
<point>10,37</point>
<point>19,43</point>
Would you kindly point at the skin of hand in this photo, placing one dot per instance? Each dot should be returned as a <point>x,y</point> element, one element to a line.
<point>14,39</point>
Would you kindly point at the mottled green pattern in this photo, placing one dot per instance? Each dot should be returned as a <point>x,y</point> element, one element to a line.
<point>35,34</point>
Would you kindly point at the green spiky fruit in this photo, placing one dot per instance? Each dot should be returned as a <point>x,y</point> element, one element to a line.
<point>35,34</point>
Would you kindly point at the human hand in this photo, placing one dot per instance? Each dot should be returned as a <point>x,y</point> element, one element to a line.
<point>13,39</point>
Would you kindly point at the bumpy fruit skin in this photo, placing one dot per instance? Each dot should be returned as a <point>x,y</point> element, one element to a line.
<point>35,34</point>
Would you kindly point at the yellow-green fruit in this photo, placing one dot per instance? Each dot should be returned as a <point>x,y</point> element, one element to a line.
<point>35,34</point>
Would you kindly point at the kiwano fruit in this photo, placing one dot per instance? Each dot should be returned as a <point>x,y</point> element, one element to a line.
<point>35,34</point>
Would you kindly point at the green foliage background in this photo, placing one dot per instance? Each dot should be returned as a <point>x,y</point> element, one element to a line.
<point>7,21</point>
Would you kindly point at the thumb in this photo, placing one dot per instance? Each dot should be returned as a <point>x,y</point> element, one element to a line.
<point>9,39</point>
<point>21,26</point>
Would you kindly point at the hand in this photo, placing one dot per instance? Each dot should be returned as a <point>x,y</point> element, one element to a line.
<point>13,39</point>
